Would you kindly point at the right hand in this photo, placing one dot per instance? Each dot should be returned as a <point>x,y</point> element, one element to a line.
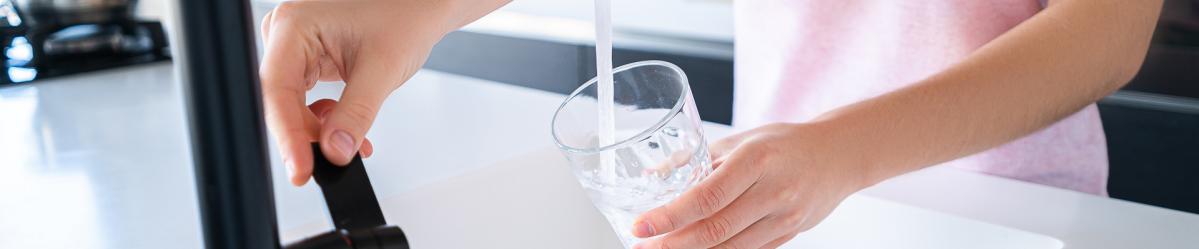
<point>373,45</point>
<point>768,184</point>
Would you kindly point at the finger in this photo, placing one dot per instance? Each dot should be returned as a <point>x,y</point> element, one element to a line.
<point>291,137</point>
<point>328,69</point>
<point>758,235</point>
<point>722,147</point>
<point>776,243</point>
<point>716,163</point>
<point>676,160</point>
<point>707,197</point>
<point>681,158</point>
<point>745,211</point>
<point>344,127</point>
<point>284,83</point>
<point>368,149</point>
<point>321,109</point>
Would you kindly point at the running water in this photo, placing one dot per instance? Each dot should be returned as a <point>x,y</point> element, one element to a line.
<point>603,69</point>
<point>645,173</point>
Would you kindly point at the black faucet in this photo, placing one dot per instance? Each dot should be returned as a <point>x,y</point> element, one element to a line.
<point>228,134</point>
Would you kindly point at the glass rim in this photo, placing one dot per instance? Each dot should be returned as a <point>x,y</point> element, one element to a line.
<point>674,111</point>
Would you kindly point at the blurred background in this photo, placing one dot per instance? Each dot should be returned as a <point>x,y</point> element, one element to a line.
<point>1152,125</point>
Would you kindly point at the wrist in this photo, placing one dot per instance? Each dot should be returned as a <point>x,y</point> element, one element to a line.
<point>847,150</point>
<point>459,13</point>
<point>438,17</point>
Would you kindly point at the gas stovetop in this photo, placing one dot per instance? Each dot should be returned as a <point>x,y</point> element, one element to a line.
<point>32,54</point>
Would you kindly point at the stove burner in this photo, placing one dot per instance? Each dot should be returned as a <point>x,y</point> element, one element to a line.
<point>32,53</point>
<point>85,39</point>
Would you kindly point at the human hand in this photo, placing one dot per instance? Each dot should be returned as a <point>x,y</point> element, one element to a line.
<point>373,45</point>
<point>769,184</point>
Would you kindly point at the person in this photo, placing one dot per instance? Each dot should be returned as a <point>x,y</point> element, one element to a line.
<point>840,95</point>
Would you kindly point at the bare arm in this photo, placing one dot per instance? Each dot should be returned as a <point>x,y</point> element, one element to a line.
<point>467,11</point>
<point>1066,57</point>
<point>775,181</point>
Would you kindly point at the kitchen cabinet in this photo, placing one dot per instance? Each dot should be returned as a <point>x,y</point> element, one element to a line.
<point>1153,149</point>
<point>560,67</point>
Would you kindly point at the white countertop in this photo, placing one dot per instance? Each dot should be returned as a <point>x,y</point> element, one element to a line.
<point>104,157</point>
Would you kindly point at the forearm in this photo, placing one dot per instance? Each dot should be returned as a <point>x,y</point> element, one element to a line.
<point>1066,57</point>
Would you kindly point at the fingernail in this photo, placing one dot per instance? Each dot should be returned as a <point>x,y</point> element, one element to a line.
<point>343,143</point>
<point>643,229</point>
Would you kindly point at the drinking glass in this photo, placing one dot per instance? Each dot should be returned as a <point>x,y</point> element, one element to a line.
<point>659,149</point>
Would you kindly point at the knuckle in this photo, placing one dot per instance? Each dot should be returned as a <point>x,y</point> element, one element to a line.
<point>287,10</point>
<point>715,229</point>
<point>767,150</point>
<point>791,235</point>
<point>784,196</point>
<point>794,220</point>
<point>672,222</point>
<point>287,15</point>
<point>755,152</point>
<point>710,199</point>
<point>361,113</point>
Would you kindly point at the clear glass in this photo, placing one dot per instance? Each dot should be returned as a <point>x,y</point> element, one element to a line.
<point>659,147</point>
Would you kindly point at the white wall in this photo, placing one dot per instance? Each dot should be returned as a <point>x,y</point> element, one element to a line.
<point>710,20</point>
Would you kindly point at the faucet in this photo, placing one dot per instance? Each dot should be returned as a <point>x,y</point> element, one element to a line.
<point>354,208</point>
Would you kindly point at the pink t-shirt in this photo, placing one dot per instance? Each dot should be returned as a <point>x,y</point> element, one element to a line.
<point>796,59</point>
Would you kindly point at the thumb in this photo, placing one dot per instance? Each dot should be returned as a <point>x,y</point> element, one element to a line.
<point>345,127</point>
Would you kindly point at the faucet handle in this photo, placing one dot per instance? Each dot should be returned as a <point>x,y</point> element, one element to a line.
<point>353,207</point>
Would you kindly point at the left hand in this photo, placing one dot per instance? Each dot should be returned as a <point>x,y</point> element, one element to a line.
<point>769,184</point>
